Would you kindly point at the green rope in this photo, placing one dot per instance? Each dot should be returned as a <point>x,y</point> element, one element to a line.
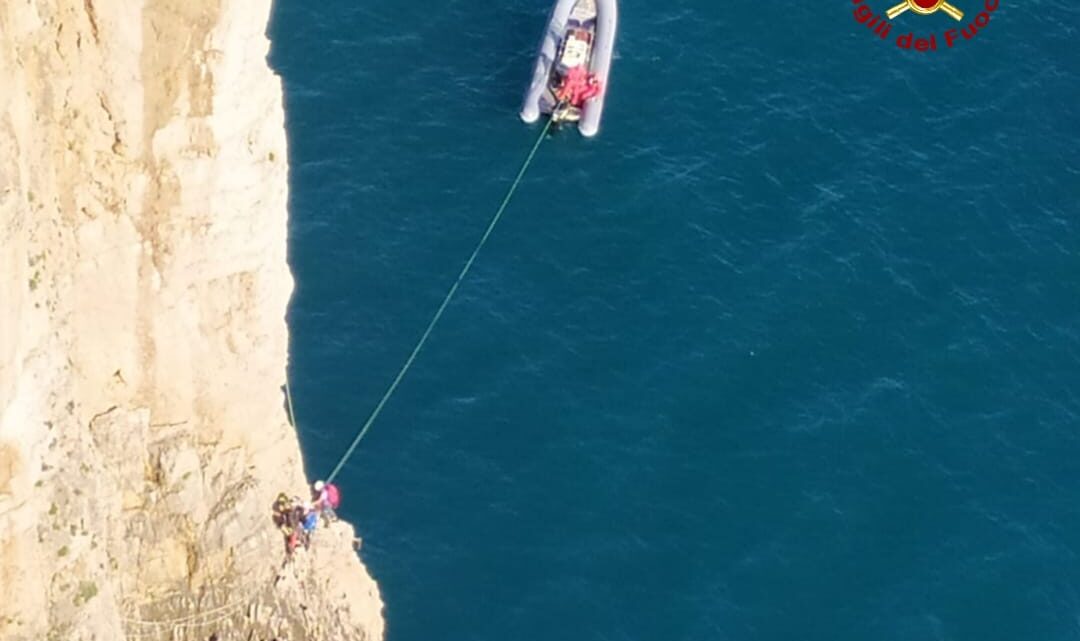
<point>442,307</point>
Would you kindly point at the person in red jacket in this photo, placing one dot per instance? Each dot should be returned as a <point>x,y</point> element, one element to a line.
<point>577,87</point>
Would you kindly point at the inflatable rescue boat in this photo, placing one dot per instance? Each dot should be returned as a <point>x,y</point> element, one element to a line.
<point>571,75</point>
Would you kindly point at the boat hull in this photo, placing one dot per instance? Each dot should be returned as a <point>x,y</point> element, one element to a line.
<point>538,98</point>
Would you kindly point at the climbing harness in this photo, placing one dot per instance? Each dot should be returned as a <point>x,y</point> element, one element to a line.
<point>438,313</point>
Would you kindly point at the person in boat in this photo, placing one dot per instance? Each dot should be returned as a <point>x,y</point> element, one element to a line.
<point>577,87</point>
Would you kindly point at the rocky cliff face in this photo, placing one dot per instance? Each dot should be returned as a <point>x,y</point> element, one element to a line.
<point>143,288</point>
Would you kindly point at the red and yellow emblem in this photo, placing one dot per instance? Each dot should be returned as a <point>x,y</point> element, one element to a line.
<point>925,7</point>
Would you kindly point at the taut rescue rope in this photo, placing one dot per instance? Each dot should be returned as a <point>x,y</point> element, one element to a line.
<point>438,313</point>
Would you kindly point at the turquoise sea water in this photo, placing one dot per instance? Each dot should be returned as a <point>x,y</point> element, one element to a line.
<point>790,351</point>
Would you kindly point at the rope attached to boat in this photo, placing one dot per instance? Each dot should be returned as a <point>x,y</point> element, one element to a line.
<point>438,313</point>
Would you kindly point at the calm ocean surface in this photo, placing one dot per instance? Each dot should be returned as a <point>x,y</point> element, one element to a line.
<point>791,351</point>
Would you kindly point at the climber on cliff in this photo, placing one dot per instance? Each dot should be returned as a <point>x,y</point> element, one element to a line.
<point>308,525</point>
<point>327,499</point>
<point>282,508</point>
<point>288,517</point>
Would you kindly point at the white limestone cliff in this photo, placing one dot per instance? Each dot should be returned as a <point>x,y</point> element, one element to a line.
<point>143,290</point>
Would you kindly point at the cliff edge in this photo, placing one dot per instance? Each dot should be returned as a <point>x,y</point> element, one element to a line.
<point>144,285</point>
